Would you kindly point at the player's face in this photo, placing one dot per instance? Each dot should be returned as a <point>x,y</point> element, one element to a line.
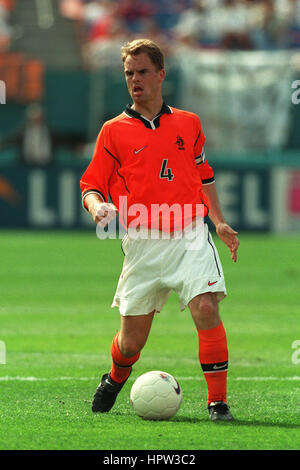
<point>143,79</point>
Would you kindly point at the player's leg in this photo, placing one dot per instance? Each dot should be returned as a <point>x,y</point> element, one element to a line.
<point>125,351</point>
<point>128,343</point>
<point>213,352</point>
<point>141,275</point>
<point>205,311</point>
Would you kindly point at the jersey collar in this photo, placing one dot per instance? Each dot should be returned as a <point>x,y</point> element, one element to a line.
<point>155,123</point>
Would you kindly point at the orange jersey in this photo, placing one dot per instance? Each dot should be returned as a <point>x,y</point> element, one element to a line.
<point>159,162</point>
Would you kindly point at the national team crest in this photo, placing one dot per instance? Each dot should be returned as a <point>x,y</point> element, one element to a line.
<point>180,143</point>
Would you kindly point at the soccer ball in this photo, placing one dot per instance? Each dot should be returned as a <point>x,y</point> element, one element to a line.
<point>156,395</point>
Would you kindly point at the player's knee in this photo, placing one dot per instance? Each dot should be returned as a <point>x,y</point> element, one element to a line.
<point>206,307</point>
<point>130,347</point>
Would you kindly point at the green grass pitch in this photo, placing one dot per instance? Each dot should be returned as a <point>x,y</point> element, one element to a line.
<point>57,326</point>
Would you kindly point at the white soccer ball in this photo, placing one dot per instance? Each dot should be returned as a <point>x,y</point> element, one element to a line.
<point>156,395</point>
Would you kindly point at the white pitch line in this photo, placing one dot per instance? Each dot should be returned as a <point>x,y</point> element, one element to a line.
<point>261,379</point>
<point>8,378</point>
<point>17,378</point>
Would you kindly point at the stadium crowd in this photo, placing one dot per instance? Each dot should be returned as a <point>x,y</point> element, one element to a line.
<point>214,24</point>
<point>6,7</point>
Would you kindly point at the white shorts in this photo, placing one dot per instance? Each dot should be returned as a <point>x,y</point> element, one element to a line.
<point>154,267</point>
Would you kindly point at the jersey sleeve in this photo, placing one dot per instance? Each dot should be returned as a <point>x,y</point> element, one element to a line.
<point>96,178</point>
<point>206,171</point>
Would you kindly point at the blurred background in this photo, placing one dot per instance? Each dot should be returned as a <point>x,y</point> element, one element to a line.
<point>233,62</point>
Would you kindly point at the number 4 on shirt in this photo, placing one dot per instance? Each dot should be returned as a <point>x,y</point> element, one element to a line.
<point>166,172</point>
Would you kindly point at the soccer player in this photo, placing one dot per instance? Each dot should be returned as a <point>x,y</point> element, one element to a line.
<point>152,155</point>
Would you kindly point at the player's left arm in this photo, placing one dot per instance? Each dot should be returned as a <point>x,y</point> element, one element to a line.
<point>224,231</point>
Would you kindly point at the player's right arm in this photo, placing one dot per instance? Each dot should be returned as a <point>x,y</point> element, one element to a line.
<point>95,181</point>
<point>102,212</point>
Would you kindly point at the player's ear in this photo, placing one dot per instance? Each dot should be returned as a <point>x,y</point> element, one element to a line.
<point>162,74</point>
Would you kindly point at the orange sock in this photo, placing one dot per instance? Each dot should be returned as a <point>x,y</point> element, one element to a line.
<point>213,356</point>
<point>121,365</point>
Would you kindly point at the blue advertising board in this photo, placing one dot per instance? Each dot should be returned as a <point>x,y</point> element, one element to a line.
<point>40,198</point>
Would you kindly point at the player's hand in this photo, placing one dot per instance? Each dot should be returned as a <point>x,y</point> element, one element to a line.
<point>104,213</point>
<point>229,237</point>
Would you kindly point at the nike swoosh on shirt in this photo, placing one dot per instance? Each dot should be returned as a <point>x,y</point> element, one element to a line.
<point>211,283</point>
<point>139,150</point>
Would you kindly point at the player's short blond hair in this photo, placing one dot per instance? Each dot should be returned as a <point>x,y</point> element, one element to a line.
<point>149,47</point>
